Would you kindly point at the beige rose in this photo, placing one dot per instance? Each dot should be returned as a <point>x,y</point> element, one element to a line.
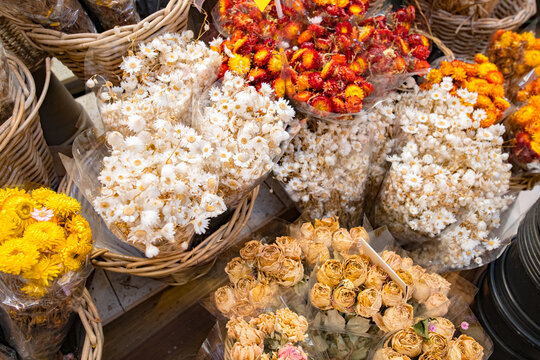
<point>443,326</point>
<point>422,287</point>
<point>392,259</point>
<point>431,356</point>
<point>389,354</point>
<point>355,269</point>
<point>270,259</point>
<point>243,308</point>
<point>262,294</point>
<point>250,250</point>
<point>376,277</point>
<point>290,247</point>
<point>407,342</point>
<point>440,284</point>
<point>323,235</point>
<point>359,233</point>
<point>343,299</point>
<point>291,272</point>
<point>331,223</point>
<point>342,241</point>
<point>243,287</point>
<point>225,299</point>
<point>330,273</point>
<point>315,253</point>
<point>246,352</point>
<point>307,231</point>
<point>392,294</point>
<point>321,296</point>
<point>369,303</point>
<point>437,305</point>
<point>437,344</point>
<point>243,333</point>
<point>264,322</point>
<point>237,268</point>
<point>464,348</point>
<point>291,325</point>
<point>398,317</point>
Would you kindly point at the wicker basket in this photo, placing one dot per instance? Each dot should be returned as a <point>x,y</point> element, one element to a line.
<point>16,41</point>
<point>24,155</point>
<point>183,266</point>
<point>467,36</point>
<point>102,52</point>
<point>93,340</point>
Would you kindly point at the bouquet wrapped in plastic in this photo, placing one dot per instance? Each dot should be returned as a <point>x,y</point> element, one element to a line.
<point>64,15</point>
<point>111,13</point>
<point>44,246</point>
<point>170,169</point>
<point>6,88</point>
<point>448,182</point>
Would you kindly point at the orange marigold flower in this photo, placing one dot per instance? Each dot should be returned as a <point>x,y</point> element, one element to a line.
<point>481,58</point>
<point>239,64</point>
<point>532,58</point>
<point>483,101</point>
<point>274,64</point>
<point>459,74</point>
<point>446,68</point>
<point>279,87</point>
<point>434,76</point>
<point>354,90</point>
<point>501,104</point>
<point>342,3</point>
<point>490,119</point>
<point>497,91</point>
<point>535,101</point>
<point>485,68</point>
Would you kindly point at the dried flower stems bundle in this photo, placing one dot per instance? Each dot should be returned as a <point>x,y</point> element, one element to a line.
<point>515,55</point>
<point>356,286</point>
<point>63,15</point>
<point>165,177</point>
<point>44,246</point>
<point>430,339</point>
<point>111,13</point>
<point>325,168</point>
<point>449,180</point>
<point>269,336</point>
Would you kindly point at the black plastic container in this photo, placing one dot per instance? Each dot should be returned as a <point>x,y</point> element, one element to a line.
<point>508,302</point>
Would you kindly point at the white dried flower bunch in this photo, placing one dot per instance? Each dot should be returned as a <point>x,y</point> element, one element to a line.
<point>449,179</point>
<point>325,168</point>
<point>246,128</point>
<point>159,82</point>
<point>165,177</point>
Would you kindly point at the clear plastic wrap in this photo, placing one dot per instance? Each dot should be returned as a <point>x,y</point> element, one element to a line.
<point>325,168</point>
<point>111,13</point>
<point>44,268</point>
<point>63,15</point>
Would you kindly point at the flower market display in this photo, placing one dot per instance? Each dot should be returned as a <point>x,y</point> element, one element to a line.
<point>44,245</point>
<point>171,167</point>
<point>268,336</point>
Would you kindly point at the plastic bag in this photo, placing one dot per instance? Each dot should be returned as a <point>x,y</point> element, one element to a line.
<point>7,88</point>
<point>325,168</point>
<point>111,13</point>
<point>67,16</point>
<point>45,246</point>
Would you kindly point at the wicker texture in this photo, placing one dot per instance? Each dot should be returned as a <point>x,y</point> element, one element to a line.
<point>177,268</point>
<point>15,40</point>
<point>24,155</point>
<point>467,36</point>
<point>93,341</point>
<point>87,54</point>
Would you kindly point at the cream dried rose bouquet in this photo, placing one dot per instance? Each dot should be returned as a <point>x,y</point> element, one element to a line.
<point>161,172</point>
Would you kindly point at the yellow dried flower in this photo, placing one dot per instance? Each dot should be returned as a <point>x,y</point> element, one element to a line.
<point>45,235</point>
<point>61,204</point>
<point>34,289</point>
<point>6,193</point>
<point>20,207</point>
<point>17,255</point>
<point>44,271</point>
<point>77,225</point>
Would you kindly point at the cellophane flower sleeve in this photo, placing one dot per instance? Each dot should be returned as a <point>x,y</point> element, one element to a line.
<point>113,13</point>
<point>45,249</point>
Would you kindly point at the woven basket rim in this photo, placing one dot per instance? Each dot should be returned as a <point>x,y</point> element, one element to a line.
<point>123,34</point>
<point>91,321</point>
<point>465,21</point>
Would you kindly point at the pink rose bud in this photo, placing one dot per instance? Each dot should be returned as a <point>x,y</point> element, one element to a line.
<point>291,352</point>
<point>464,325</point>
<point>431,328</point>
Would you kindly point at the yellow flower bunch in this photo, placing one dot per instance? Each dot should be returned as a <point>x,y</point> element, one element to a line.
<point>525,124</point>
<point>43,237</point>
<point>532,89</point>
<point>482,77</point>
<point>515,54</point>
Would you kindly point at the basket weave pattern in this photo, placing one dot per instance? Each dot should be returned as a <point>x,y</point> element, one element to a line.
<point>24,155</point>
<point>93,341</point>
<point>467,36</point>
<point>87,54</point>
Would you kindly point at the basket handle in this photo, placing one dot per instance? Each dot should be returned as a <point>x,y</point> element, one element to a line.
<point>445,49</point>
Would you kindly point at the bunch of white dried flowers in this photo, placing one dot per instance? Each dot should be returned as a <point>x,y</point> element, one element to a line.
<point>164,177</point>
<point>447,185</point>
<point>325,168</point>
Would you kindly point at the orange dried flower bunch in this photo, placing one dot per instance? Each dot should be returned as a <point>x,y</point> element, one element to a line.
<point>531,89</point>
<point>526,122</point>
<point>515,54</point>
<point>481,77</point>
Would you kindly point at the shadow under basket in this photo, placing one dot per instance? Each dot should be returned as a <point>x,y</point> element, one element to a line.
<point>87,54</point>
<point>180,267</point>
